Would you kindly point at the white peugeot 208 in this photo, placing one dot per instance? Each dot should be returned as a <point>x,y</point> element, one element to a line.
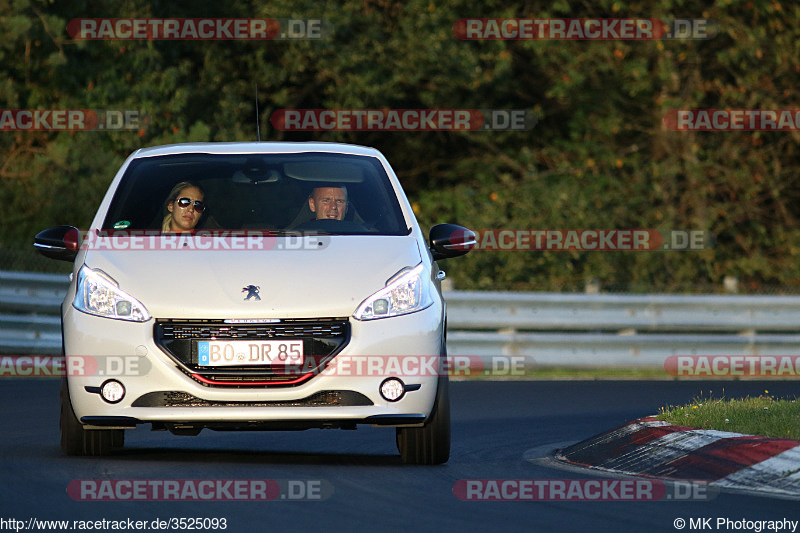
<point>239,286</point>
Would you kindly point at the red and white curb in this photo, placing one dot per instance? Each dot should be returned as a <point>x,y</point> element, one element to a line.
<point>732,461</point>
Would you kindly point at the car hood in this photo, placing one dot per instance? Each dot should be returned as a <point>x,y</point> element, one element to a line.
<point>327,282</point>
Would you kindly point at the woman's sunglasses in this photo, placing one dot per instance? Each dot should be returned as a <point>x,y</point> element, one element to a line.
<point>186,202</point>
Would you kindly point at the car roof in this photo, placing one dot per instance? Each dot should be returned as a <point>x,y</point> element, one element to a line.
<point>267,147</point>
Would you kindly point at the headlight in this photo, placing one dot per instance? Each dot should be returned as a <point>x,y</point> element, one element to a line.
<point>97,294</point>
<point>405,293</point>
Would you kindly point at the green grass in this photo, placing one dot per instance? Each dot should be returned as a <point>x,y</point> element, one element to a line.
<point>556,373</point>
<point>590,373</point>
<point>762,415</point>
<point>565,373</point>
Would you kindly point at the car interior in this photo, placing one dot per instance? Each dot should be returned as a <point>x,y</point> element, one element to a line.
<point>266,192</point>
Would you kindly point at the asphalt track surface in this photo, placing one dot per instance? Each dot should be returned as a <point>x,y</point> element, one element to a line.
<point>499,431</point>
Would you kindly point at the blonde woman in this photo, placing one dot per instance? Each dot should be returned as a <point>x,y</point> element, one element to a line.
<point>184,207</point>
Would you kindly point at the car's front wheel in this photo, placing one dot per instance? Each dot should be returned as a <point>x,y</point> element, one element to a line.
<point>75,440</point>
<point>429,444</point>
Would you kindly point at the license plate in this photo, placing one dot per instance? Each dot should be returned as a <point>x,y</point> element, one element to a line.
<point>249,353</point>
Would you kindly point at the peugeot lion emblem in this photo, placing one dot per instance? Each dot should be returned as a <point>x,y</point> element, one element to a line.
<point>252,292</point>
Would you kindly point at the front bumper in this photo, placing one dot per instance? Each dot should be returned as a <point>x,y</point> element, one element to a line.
<point>418,335</point>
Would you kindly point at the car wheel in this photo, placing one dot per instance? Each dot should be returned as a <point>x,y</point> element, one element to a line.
<point>75,440</point>
<point>429,444</point>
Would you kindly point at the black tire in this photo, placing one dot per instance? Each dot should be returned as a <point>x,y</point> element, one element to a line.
<point>75,440</point>
<point>429,444</point>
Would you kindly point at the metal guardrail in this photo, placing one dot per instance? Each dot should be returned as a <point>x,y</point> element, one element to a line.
<point>29,312</point>
<point>554,329</point>
<point>587,312</point>
<point>547,329</point>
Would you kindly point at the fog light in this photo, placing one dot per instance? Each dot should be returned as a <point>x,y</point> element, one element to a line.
<point>112,391</point>
<point>392,389</point>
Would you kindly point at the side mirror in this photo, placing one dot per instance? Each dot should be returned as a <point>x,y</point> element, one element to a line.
<point>58,242</point>
<point>450,240</point>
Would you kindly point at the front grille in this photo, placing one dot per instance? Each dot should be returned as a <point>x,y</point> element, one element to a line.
<point>320,399</point>
<point>217,329</point>
<point>322,339</point>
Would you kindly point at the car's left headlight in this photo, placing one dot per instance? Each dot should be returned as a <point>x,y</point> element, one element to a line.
<point>98,294</point>
<point>404,293</point>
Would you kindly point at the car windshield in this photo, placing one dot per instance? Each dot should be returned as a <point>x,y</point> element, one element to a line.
<point>269,192</point>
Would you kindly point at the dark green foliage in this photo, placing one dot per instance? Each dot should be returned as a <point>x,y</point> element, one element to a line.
<point>600,156</point>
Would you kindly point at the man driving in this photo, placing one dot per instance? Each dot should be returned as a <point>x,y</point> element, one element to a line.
<point>328,203</point>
